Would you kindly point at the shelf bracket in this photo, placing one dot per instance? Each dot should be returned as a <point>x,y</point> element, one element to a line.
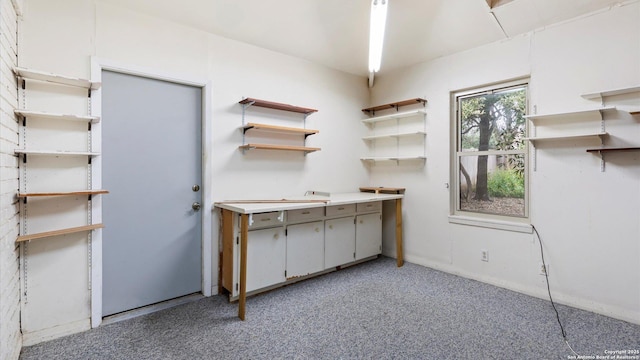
<point>24,158</point>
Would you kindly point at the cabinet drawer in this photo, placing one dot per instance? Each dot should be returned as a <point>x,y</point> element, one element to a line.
<point>369,206</point>
<point>268,219</point>
<point>305,214</point>
<point>341,209</point>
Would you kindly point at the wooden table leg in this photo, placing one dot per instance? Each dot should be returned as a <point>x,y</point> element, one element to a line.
<point>399,256</point>
<point>244,234</point>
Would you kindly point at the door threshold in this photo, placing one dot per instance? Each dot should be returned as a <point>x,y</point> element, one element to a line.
<point>130,314</point>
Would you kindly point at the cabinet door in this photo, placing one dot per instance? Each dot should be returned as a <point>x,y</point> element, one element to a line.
<point>266,252</point>
<point>305,249</point>
<point>368,235</point>
<point>339,241</point>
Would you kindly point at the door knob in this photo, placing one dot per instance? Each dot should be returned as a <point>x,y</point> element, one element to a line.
<point>196,206</point>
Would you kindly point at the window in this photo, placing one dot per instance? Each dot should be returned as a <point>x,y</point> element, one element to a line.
<point>491,159</point>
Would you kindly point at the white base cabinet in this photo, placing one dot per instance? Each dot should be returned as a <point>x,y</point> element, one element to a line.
<point>305,249</point>
<point>284,246</point>
<point>339,240</point>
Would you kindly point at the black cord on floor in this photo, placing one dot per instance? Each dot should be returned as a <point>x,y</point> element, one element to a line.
<point>546,275</point>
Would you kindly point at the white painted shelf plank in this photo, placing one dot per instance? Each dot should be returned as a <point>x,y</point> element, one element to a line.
<point>55,152</point>
<point>414,133</point>
<point>398,115</point>
<point>599,135</point>
<point>55,78</point>
<point>570,113</point>
<point>46,115</point>
<point>393,158</point>
<point>601,94</point>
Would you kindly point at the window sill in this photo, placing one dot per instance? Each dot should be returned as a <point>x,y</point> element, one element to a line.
<point>492,224</point>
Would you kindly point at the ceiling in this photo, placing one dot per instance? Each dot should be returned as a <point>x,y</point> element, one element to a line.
<point>336,32</point>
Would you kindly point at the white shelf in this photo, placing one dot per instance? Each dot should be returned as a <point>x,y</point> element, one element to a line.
<point>398,135</point>
<point>601,94</point>
<point>55,78</point>
<point>55,152</point>
<point>46,115</point>
<point>392,158</point>
<point>599,136</point>
<point>570,113</point>
<point>398,115</point>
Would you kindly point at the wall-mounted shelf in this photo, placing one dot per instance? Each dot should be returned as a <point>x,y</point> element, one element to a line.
<point>408,124</point>
<point>394,105</point>
<point>602,94</point>
<point>564,115</point>
<point>55,78</point>
<point>598,136</point>
<point>304,149</point>
<point>277,106</point>
<point>281,129</point>
<point>395,116</point>
<point>406,134</point>
<point>52,233</point>
<point>612,149</point>
<point>635,112</point>
<point>393,158</point>
<point>63,193</point>
<point>46,115</point>
<point>55,152</point>
<point>246,126</point>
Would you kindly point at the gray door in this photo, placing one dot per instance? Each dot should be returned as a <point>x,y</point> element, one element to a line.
<point>151,165</point>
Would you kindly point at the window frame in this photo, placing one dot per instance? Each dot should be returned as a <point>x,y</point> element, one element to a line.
<point>466,217</point>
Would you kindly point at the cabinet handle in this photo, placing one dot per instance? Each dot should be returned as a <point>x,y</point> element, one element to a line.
<point>340,208</point>
<point>306,212</point>
<point>265,219</point>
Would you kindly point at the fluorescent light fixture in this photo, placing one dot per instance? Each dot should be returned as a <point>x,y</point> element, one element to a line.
<point>376,33</point>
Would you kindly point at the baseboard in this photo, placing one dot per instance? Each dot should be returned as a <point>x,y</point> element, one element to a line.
<point>558,297</point>
<point>38,336</point>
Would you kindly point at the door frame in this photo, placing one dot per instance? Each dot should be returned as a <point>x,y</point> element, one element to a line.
<point>95,248</point>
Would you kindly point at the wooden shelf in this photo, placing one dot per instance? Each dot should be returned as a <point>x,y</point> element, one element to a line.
<point>395,105</point>
<point>63,193</point>
<point>277,106</point>
<point>392,158</point>
<point>599,136</point>
<point>613,149</point>
<point>601,94</point>
<point>281,129</point>
<point>398,135</point>
<point>55,152</point>
<point>55,78</point>
<point>399,115</point>
<point>58,232</point>
<point>571,113</point>
<point>278,147</point>
<point>382,190</point>
<point>634,112</point>
<point>45,115</point>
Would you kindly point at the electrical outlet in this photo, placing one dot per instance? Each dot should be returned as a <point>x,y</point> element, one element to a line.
<point>543,270</point>
<point>484,255</point>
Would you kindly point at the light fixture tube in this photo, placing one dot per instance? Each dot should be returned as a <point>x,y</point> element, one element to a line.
<point>376,33</point>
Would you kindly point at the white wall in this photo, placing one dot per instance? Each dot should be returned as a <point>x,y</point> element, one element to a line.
<point>10,336</point>
<point>62,37</point>
<point>588,220</point>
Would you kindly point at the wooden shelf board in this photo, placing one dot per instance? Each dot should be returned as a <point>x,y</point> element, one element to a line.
<point>613,149</point>
<point>414,133</point>
<point>393,158</point>
<point>382,190</point>
<point>45,115</point>
<point>601,94</point>
<point>55,78</point>
<point>567,137</point>
<point>55,152</point>
<point>278,147</point>
<point>283,129</point>
<point>394,105</point>
<point>634,112</point>
<point>63,193</point>
<point>570,113</point>
<point>58,232</point>
<point>398,115</point>
<point>277,106</point>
